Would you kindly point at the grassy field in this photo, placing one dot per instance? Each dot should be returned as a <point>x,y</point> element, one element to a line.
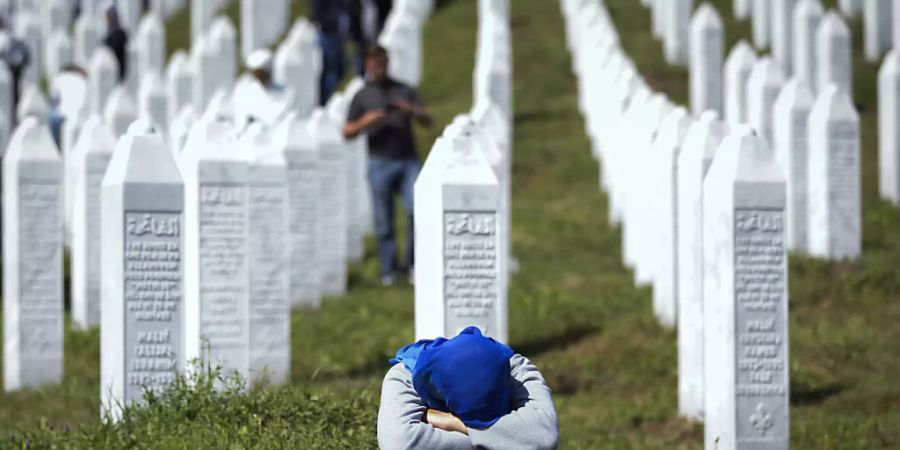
<point>573,308</point>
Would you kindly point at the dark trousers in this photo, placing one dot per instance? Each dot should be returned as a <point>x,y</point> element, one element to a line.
<point>387,177</point>
<point>332,45</point>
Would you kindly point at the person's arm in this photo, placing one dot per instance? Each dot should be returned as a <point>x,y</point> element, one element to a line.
<point>532,424</point>
<point>354,128</point>
<point>401,415</point>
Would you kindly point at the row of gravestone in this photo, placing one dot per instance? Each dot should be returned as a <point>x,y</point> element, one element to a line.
<point>463,201</point>
<point>778,25</point>
<point>254,218</point>
<point>177,255</point>
<point>728,198</point>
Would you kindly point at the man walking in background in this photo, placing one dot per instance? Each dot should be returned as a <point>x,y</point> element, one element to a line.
<point>383,111</point>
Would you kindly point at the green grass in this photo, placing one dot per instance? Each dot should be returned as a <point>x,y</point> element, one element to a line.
<point>573,308</point>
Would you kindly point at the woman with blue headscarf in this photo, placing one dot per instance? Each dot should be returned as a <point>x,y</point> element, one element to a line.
<point>463,393</point>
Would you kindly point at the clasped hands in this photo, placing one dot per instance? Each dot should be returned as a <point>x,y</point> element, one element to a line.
<point>445,421</point>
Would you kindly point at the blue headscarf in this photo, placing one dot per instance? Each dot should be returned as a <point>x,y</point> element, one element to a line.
<point>467,376</point>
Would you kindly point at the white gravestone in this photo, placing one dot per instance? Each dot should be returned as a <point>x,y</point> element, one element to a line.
<point>807,15</point>
<point>457,278</point>
<point>664,214</point>
<point>789,123</point>
<point>895,26</point>
<point>737,70</point>
<point>707,41</point>
<point>180,126</point>
<point>32,103</point>
<point>103,77</point>
<point>120,111</point>
<point>490,121</point>
<point>153,102</point>
<point>783,33</point>
<point>129,14</point>
<point>150,40</point>
<point>331,246</point>
<point>223,36</point>
<point>354,151</point>
<point>675,44</point>
<point>142,254</point>
<point>270,307</point>
<point>56,16</point>
<point>292,69</point>
<point>402,38</point>
<point>88,34</point>
<point>834,53</point>
<point>835,229</point>
<point>745,298</point>
<point>762,23</point>
<point>216,265</point>
<point>697,153</point>
<point>850,8</point>
<point>202,13</point>
<point>32,259</point>
<point>742,9</point>
<point>253,24</point>
<point>179,83</point>
<point>6,100</point>
<point>889,128</point>
<point>204,62</point>
<point>877,32</point>
<point>90,159</point>
<point>303,157</point>
<point>763,86</point>
<point>59,53</point>
<point>657,8</point>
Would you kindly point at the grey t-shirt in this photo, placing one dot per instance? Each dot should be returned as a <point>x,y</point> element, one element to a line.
<point>392,137</point>
<point>532,424</point>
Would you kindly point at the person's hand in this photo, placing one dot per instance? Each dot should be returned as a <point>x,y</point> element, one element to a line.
<point>371,118</point>
<point>445,421</point>
<point>405,106</point>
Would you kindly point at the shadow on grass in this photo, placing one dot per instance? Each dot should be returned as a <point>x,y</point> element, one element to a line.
<point>804,395</point>
<point>536,347</point>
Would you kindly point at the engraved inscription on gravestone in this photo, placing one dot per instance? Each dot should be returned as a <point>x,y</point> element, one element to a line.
<point>760,328</point>
<point>268,291</point>
<point>40,275</point>
<point>304,186</point>
<point>470,271</point>
<point>153,302</point>
<point>223,219</point>
<point>843,172</point>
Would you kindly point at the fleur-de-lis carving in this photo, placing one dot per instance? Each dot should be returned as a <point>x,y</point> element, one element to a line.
<point>761,419</point>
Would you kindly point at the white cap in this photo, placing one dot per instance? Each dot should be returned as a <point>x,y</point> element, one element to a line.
<point>259,59</point>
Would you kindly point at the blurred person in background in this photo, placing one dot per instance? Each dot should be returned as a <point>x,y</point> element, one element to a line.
<point>15,54</point>
<point>116,39</point>
<point>332,18</point>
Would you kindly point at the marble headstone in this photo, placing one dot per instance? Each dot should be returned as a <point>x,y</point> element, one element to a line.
<point>302,155</point>
<point>663,209</point>
<point>850,8</point>
<point>745,298</point>
<point>783,33</point>
<point>270,308</point>
<point>150,40</point>
<point>120,110</point>
<point>834,202</point>
<point>761,23</point>
<point>141,265</point>
<point>889,128</point>
<point>763,86</point>
<point>834,53</point>
<point>697,153</point>
<point>457,279</point>
<point>58,53</point>
<point>675,43</point>
<point>877,31</point>
<point>741,9</point>
<point>807,15</point>
<point>331,245</point>
<point>32,259</point>
<point>153,102</point>
<point>216,265</point>
<point>90,159</point>
<point>790,128</point>
<point>104,74</point>
<point>179,83</point>
<point>737,70</point>
<point>707,40</point>
<point>88,33</point>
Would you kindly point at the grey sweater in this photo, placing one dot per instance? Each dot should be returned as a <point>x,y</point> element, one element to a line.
<point>531,424</point>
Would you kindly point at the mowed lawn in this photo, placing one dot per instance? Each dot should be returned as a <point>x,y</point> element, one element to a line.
<point>573,308</point>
